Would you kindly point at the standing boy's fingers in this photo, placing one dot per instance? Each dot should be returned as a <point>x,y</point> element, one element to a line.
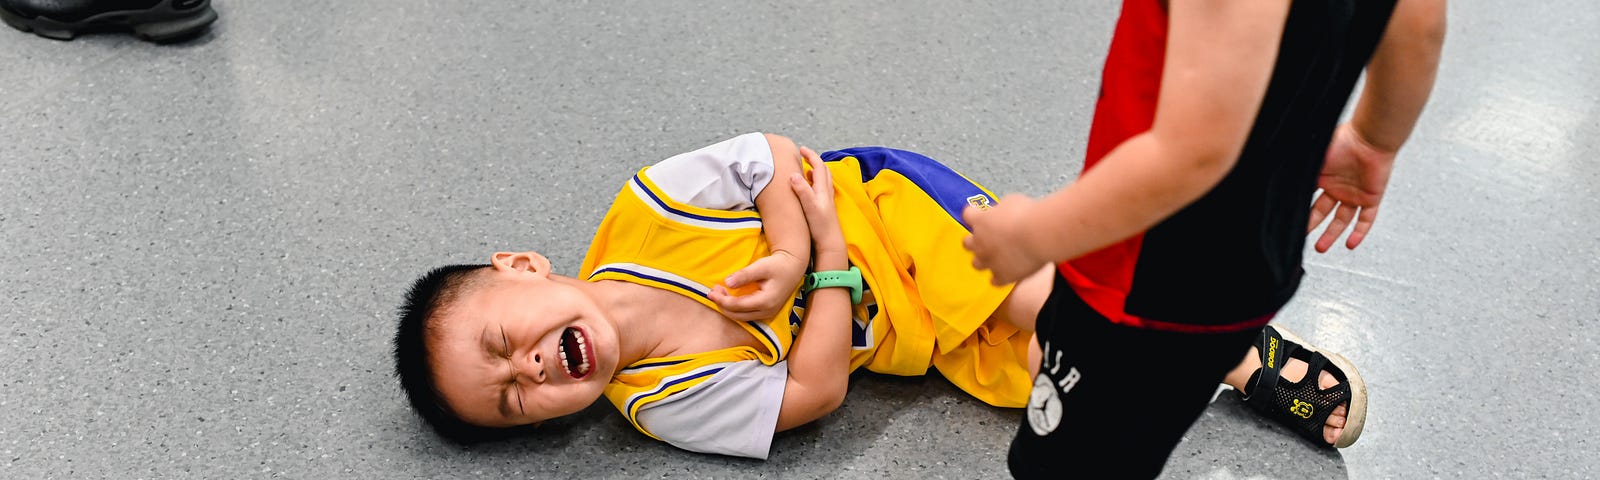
<point>973,216</point>
<point>1341,219</point>
<point>1364,221</point>
<point>1319,210</point>
<point>972,245</point>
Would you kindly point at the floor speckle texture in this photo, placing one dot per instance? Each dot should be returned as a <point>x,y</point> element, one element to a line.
<point>203,243</point>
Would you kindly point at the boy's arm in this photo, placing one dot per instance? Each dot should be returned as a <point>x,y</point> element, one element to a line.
<point>1399,78</point>
<point>1219,59</point>
<point>1401,73</point>
<point>819,363</point>
<point>784,223</point>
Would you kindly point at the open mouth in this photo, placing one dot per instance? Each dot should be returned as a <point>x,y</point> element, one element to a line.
<point>577,356</point>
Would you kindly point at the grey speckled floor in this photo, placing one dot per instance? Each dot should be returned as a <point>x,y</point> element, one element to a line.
<point>201,244</point>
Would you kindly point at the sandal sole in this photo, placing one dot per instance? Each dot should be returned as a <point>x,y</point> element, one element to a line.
<point>1356,412</point>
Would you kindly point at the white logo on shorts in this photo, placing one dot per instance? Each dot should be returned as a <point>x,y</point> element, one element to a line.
<point>1044,406</point>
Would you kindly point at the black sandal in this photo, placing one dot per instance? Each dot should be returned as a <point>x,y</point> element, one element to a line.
<point>1302,406</point>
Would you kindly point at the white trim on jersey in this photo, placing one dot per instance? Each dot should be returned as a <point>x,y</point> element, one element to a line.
<point>648,273</point>
<point>661,208</point>
<point>670,381</point>
<point>644,367</point>
<point>772,336</point>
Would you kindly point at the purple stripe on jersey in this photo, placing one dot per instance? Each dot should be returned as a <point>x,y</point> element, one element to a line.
<point>667,385</point>
<point>669,208</point>
<point>648,277</point>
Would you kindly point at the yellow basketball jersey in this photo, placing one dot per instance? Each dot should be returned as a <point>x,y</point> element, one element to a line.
<point>648,238</point>
<point>925,305</point>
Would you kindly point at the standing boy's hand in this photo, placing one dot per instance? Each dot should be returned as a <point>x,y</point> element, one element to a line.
<point>1353,180</point>
<point>1000,239</point>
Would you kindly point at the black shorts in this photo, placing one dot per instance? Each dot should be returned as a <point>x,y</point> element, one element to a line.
<point>1115,398</point>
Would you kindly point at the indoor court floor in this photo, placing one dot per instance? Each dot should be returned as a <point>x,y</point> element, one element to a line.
<point>202,245</point>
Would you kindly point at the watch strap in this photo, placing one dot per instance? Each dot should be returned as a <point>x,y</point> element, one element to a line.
<point>836,278</point>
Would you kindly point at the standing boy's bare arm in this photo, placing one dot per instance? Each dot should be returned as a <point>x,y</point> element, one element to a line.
<point>1355,173</point>
<point>1401,73</point>
<point>1219,59</point>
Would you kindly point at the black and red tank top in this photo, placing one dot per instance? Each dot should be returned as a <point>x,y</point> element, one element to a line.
<point>1231,259</point>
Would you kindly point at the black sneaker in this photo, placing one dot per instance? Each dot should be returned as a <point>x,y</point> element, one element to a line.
<point>153,20</point>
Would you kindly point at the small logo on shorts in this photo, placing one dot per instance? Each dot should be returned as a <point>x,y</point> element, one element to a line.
<point>980,200</point>
<point>1044,407</point>
<point>1044,404</point>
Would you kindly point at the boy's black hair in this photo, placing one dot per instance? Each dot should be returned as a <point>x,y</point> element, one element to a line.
<point>427,299</point>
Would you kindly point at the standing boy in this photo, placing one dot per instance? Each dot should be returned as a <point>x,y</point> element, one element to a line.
<point>1216,123</point>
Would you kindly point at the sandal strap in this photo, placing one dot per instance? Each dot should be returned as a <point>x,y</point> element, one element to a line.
<point>1272,350</point>
<point>1301,406</point>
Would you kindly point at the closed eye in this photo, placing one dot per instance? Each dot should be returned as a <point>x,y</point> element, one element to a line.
<point>506,344</point>
<point>520,408</point>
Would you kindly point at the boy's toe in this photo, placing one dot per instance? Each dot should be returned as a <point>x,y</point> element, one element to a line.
<point>1331,435</point>
<point>1335,425</point>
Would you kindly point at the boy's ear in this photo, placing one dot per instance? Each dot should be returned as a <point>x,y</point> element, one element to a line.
<point>531,262</point>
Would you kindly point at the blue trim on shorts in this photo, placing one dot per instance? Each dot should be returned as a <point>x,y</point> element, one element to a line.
<point>946,187</point>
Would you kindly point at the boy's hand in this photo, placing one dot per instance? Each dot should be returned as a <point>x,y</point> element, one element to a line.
<point>777,276</point>
<point>999,238</point>
<point>1353,179</point>
<point>774,277</point>
<point>816,199</point>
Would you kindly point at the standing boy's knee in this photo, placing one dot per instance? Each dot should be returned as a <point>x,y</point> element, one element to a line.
<point>1021,307</point>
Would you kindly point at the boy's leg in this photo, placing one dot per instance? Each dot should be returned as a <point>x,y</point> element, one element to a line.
<point>998,362</point>
<point>1021,307</point>
<point>1113,398</point>
<point>1346,416</point>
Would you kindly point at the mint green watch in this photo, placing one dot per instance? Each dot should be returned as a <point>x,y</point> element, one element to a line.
<point>835,278</point>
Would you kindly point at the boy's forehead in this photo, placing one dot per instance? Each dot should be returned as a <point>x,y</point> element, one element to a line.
<point>463,320</point>
<point>472,310</point>
<point>484,298</point>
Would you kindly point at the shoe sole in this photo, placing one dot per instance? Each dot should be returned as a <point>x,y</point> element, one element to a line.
<point>159,24</point>
<point>1355,415</point>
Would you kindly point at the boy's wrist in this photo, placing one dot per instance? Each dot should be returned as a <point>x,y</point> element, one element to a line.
<point>802,260</point>
<point>830,259</point>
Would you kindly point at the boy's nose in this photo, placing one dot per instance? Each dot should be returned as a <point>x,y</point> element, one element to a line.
<point>533,366</point>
